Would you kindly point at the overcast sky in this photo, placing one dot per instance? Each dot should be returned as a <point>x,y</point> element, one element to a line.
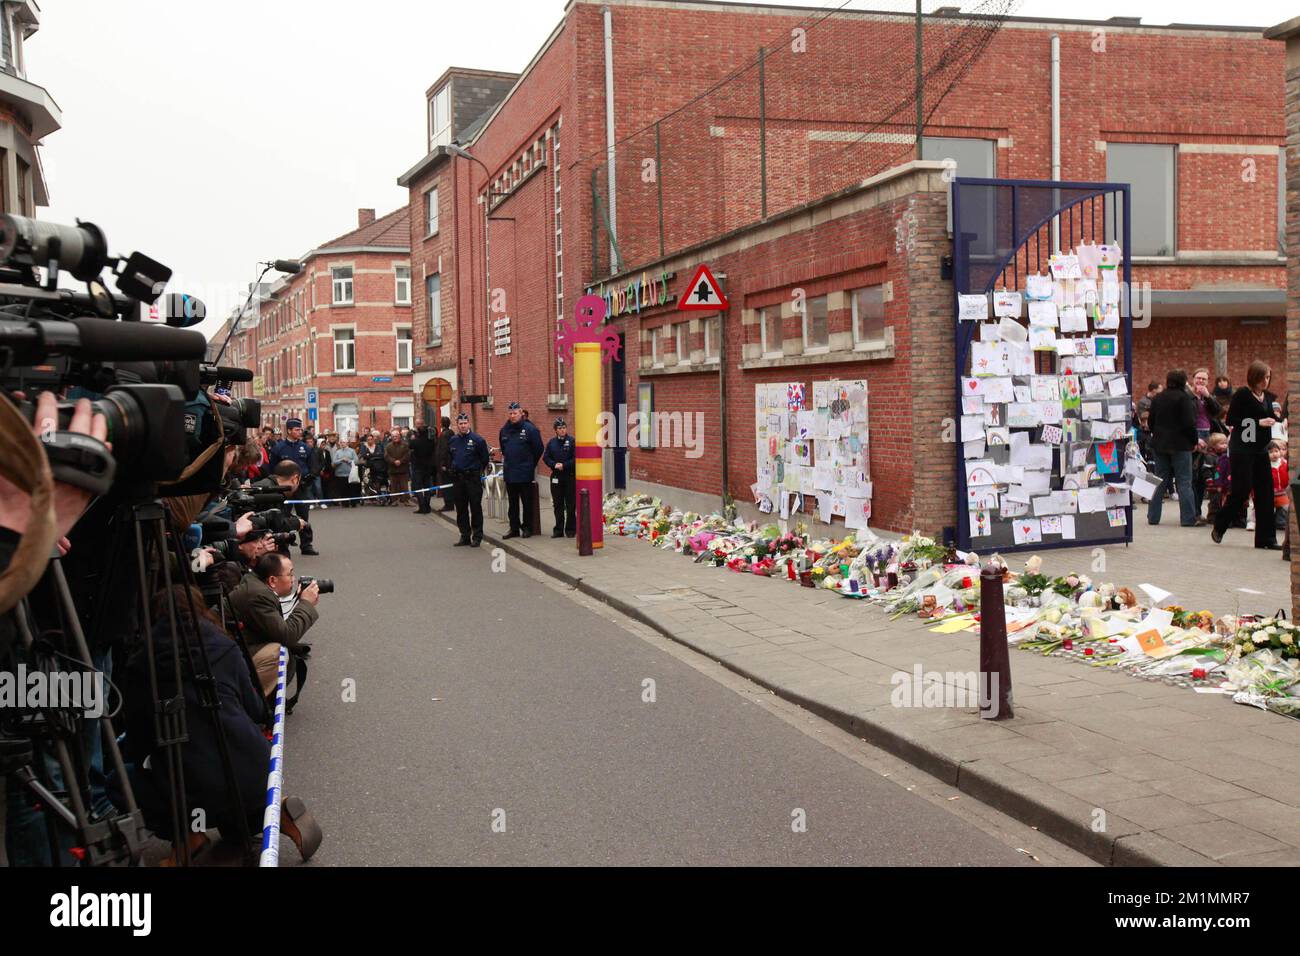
<point>213,135</point>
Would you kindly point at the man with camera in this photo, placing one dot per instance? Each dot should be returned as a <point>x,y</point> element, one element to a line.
<point>294,449</point>
<point>257,604</point>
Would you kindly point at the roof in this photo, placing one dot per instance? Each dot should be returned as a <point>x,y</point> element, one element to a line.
<point>392,230</point>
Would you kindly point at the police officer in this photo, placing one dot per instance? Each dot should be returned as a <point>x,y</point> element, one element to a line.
<point>294,448</point>
<point>469,456</point>
<point>559,457</point>
<point>521,448</point>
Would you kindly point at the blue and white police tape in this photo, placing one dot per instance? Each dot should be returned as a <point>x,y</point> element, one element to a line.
<point>385,494</point>
<point>275,777</point>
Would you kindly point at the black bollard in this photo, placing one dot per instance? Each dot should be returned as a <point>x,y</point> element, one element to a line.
<point>584,523</point>
<point>536,511</point>
<point>995,661</point>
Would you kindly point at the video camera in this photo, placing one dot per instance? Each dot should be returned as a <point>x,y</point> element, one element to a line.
<point>146,379</point>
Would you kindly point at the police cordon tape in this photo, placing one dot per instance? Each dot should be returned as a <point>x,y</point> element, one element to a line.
<point>275,777</point>
<point>383,494</point>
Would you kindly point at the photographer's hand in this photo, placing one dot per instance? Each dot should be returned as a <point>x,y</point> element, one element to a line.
<point>311,594</point>
<point>242,525</point>
<point>69,502</point>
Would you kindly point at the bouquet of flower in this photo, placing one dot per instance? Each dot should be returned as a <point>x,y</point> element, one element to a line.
<point>1270,633</point>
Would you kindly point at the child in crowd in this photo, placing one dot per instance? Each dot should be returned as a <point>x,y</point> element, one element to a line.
<point>1218,473</point>
<point>1281,493</point>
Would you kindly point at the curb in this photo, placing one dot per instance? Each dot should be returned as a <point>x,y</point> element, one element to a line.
<point>1027,800</point>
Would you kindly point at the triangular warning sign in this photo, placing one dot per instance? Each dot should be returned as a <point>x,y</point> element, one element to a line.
<point>703,294</point>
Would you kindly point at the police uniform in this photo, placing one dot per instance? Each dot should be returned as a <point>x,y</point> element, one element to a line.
<point>469,456</point>
<point>564,483</point>
<point>521,448</point>
<point>287,449</point>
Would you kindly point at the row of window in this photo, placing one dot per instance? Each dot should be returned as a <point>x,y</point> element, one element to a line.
<point>1150,168</point>
<point>679,337</point>
<point>345,350</point>
<point>866,316</point>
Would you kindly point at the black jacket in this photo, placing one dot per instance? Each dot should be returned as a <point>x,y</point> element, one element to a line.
<point>1245,408</point>
<point>443,453</point>
<point>240,715</point>
<point>423,447</point>
<point>1173,421</point>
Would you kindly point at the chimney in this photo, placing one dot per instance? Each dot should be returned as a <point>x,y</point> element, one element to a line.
<point>365,217</point>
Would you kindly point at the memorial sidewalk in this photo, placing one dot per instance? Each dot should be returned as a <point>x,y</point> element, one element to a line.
<point>1127,771</point>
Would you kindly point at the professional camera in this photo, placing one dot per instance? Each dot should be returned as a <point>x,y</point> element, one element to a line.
<point>324,585</point>
<point>242,502</point>
<point>275,521</point>
<point>284,539</point>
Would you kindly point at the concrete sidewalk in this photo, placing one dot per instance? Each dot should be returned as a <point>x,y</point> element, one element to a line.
<point>1127,771</point>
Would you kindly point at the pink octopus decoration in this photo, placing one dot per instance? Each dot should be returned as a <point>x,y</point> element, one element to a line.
<point>586,327</point>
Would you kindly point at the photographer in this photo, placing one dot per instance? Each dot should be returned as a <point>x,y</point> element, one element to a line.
<point>257,604</point>
<point>294,449</point>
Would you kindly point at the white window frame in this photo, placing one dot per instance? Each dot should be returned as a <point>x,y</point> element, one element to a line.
<point>351,339</point>
<point>433,306</point>
<point>713,338</point>
<point>404,338</point>
<point>339,285</point>
<point>860,341</point>
<point>682,333</point>
<point>656,347</point>
<point>770,348</point>
<point>807,324</point>
<point>402,285</point>
<point>440,126</point>
<point>431,212</point>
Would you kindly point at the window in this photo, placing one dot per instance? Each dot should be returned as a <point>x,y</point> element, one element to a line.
<point>868,305</point>
<point>816,332</point>
<point>1281,201</point>
<point>440,118</point>
<point>403,413</point>
<point>342,276</point>
<point>559,256</point>
<point>431,212</point>
<point>712,338</point>
<point>402,282</point>
<point>433,296</point>
<point>404,349</point>
<point>297,358</point>
<point>769,320</point>
<point>656,348</point>
<point>682,331</point>
<point>345,350</point>
<point>974,157</point>
<point>1149,170</point>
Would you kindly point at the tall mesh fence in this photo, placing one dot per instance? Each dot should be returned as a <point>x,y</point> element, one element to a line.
<point>811,103</point>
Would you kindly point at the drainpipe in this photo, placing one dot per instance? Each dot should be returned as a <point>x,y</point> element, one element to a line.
<point>609,140</point>
<point>1056,137</point>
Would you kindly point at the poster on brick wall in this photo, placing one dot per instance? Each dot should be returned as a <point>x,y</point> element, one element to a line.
<point>814,454</point>
<point>1045,410</point>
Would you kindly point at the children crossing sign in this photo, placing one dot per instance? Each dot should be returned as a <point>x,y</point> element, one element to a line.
<point>703,294</point>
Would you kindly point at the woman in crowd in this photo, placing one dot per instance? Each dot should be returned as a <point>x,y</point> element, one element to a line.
<point>1251,415</point>
<point>345,463</point>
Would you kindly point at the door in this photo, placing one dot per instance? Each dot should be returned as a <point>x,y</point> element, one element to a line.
<point>618,398</point>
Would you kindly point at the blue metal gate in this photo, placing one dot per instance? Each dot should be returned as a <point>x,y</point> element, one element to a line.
<point>1005,230</point>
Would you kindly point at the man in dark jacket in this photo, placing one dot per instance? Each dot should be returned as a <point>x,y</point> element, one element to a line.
<point>521,448</point>
<point>294,448</point>
<point>559,457</point>
<point>443,461</point>
<point>423,448</point>
<point>1173,439</point>
<point>256,603</point>
<point>469,456</point>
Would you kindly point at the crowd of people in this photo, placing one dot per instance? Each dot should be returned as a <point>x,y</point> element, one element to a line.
<point>1222,451</point>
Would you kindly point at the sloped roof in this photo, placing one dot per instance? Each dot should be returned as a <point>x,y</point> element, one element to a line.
<point>392,230</point>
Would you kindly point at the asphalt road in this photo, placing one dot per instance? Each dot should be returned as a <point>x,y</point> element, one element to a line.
<point>489,702</point>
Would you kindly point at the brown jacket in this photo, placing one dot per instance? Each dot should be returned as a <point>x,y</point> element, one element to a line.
<point>258,609</point>
<point>398,456</point>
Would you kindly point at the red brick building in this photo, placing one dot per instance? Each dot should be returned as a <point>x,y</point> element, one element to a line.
<point>341,327</point>
<point>1192,116</point>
